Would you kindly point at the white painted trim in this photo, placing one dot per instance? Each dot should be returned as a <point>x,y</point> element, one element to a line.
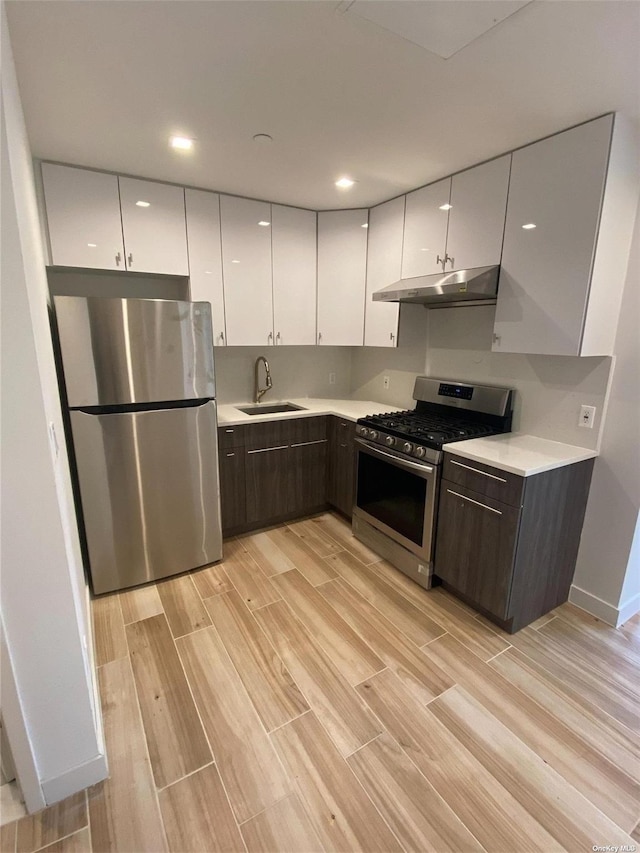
<point>17,734</point>
<point>76,779</point>
<point>609,613</point>
<point>626,611</point>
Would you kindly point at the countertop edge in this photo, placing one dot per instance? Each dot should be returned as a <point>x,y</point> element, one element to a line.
<point>230,415</point>
<point>573,455</point>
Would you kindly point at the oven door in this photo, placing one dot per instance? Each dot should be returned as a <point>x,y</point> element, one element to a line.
<point>398,497</point>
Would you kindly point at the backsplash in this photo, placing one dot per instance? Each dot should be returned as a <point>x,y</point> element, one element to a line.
<point>456,343</point>
<point>295,371</point>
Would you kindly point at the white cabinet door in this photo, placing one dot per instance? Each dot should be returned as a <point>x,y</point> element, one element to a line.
<point>205,256</point>
<point>342,261</point>
<point>246,265</point>
<point>425,229</point>
<point>384,265</point>
<point>477,215</point>
<point>557,186</point>
<point>293,243</point>
<point>154,226</point>
<point>83,214</point>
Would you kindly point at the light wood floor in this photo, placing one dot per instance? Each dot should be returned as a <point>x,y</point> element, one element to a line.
<point>304,695</point>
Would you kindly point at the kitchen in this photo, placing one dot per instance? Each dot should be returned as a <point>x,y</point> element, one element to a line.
<point>549,389</point>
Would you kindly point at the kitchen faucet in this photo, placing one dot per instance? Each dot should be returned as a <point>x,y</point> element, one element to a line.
<point>258,391</point>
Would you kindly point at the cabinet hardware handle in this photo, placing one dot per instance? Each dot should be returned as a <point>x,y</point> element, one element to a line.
<point>391,336</point>
<point>305,443</point>
<point>478,471</point>
<point>130,259</point>
<point>343,445</point>
<point>471,500</point>
<point>440,260</point>
<point>267,449</point>
<point>496,338</point>
<point>230,454</point>
<point>222,337</point>
<point>451,260</point>
<point>319,337</point>
<point>118,259</point>
<point>229,430</point>
<point>270,337</point>
<point>277,337</point>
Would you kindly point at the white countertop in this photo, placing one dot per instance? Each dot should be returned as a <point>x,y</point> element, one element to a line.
<point>520,453</point>
<point>351,410</point>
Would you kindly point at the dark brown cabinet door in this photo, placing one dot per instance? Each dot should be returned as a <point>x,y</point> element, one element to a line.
<point>341,465</point>
<point>308,461</point>
<point>475,546</point>
<point>232,489</point>
<point>268,479</point>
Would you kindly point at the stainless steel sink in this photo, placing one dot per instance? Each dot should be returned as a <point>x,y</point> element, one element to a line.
<point>266,409</point>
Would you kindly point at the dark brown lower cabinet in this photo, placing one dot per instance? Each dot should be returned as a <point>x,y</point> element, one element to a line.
<point>281,473</point>
<point>232,488</point>
<point>341,465</point>
<point>512,561</point>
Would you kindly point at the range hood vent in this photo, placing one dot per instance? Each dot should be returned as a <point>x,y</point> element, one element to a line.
<point>478,285</point>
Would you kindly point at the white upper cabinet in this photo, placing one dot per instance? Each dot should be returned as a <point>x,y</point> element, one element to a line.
<point>566,243</point>
<point>425,229</point>
<point>477,215</point>
<point>154,226</point>
<point>83,214</point>
<point>384,266</point>
<point>205,256</point>
<point>246,264</point>
<point>342,261</point>
<point>293,243</point>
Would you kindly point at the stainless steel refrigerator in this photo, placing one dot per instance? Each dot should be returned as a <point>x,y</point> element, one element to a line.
<point>140,390</point>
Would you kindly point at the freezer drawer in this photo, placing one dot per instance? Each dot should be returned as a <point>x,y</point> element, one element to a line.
<point>149,492</point>
<point>121,351</point>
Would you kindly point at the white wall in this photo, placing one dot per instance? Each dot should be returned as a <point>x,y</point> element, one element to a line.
<point>295,371</point>
<point>550,389</point>
<point>455,343</point>
<point>607,579</point>
<point>43,589</point>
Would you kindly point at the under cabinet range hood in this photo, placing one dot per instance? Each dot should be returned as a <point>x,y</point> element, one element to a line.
<point>477,286</point>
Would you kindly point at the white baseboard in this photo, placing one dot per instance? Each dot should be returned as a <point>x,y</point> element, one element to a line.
<point>610,614</point>
<point>629,609</point>
<point>76,779</point>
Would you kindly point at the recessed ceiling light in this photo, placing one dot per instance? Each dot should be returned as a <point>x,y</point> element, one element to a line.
<point>424,250</point>
<point>92,245</point>
<point>182,142</point>
<point>235,262</point>
<point>365,225</point>
<point>208,272</point>
<point>262,138</point>
<point>143,204</point>
<point>529,225</point>
<point>446,206</point>
<point>345,183</point>
<point>264,223</point>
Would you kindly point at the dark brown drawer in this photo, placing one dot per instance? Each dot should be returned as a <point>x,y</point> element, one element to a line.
<point>231,436</point>
<point>484,479</point>
<point>284,432</point>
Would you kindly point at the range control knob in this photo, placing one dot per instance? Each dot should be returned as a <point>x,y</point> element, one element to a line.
<point>373,434</point>
<point>407,447</point>
<point>390,440</point>
<point>420,451</point>
<point>362,430</point>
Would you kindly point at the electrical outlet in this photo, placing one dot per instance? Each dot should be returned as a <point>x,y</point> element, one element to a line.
<point>587,416</point>
<point>332,379</point>
<point>385,382</point>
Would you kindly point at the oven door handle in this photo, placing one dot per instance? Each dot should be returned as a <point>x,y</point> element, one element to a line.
<point>418,467</point>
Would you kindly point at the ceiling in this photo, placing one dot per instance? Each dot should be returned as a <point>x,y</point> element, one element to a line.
<point>104,83</point>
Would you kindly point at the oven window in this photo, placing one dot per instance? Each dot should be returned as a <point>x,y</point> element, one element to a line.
<point>393,496</point>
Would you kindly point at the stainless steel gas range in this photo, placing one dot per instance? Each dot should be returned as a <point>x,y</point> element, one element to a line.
<point>399,466</point>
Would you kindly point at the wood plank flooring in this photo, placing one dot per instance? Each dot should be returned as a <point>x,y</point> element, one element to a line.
<point>303,695</point>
